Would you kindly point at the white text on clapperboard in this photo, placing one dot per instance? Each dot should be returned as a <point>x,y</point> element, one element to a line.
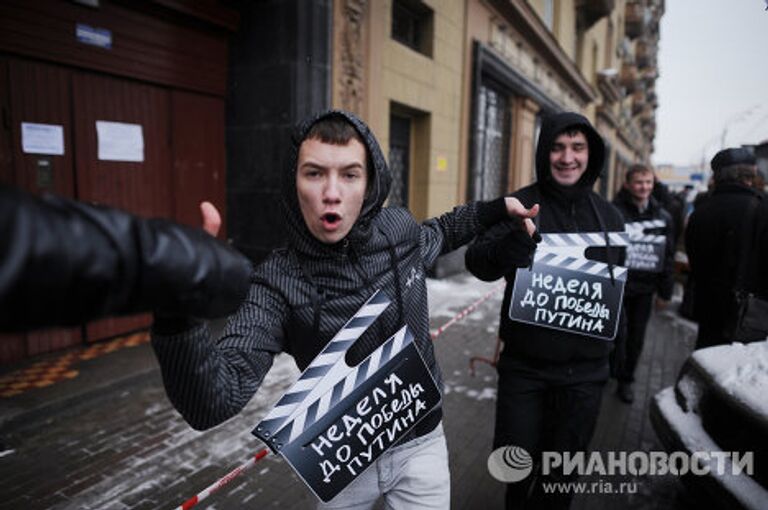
<point>571,303</point>
<point>373,424</point>
<point>642,256</point>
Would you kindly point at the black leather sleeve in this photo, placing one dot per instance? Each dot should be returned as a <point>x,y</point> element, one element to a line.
<point>63,262</point>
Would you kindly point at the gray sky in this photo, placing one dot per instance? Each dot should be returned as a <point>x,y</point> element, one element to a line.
<point>713,78</point>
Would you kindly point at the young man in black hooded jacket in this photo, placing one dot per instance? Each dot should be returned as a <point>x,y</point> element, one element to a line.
<point>636,203</point>
<point>343,245</point>
<point>550,381</point>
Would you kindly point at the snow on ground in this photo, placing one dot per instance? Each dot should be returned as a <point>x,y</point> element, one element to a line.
<point>741,370</point>
<point>449,296</point>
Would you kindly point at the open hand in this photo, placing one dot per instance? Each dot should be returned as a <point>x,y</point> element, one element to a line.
<point>515,208</point>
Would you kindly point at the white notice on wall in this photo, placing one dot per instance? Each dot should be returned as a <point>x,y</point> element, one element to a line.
<point>42,139</point>
<point>119,141</point>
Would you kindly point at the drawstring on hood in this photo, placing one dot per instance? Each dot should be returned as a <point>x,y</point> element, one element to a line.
<point>608,253</point>
<point>396,271</point>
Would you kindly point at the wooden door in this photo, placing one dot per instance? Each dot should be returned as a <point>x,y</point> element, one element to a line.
<point>141,187</point>
<point>198,155</point>
<point>38,93</point>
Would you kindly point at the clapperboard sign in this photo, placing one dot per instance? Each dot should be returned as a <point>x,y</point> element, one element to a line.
<point>336,420</point>
<point>566,291</point>
<point>646,248</point>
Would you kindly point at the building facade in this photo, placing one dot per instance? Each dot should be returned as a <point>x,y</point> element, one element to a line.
<point>454,90</point>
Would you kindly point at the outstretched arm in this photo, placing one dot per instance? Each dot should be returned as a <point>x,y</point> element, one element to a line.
<point>63,262</point>
<point>208,381</point>
<point>505,246</point>
<point>459,226</point>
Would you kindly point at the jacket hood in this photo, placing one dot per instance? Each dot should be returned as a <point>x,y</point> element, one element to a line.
<point>551,127</point>
<point>379,182</point>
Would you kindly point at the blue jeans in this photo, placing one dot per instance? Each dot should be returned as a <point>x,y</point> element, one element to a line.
<point>411,475</point>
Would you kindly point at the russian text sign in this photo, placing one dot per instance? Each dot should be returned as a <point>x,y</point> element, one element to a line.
<point>564,290</point>
<point>646,250</point>
<point>335,450</point>
<point>336,420</point>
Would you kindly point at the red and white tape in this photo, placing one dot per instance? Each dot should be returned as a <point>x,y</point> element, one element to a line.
<point>471,308</point>
<point>224,480</point>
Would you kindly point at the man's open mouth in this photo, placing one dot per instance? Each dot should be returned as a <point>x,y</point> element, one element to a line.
<point>330,219</point>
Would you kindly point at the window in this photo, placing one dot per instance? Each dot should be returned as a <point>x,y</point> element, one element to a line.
<point>491,151</point>
<point>412,25</point>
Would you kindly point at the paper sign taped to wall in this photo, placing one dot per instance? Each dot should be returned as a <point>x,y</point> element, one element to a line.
<point>42,139</point>
<point>119,141</point>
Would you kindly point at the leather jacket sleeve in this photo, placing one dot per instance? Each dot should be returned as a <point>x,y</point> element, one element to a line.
<point>64,262</point>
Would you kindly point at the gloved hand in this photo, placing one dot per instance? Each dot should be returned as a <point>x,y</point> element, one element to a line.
<point>516,248</point>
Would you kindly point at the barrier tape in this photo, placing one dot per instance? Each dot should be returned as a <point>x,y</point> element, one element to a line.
<point>214,487</point>
<point>471,308</point>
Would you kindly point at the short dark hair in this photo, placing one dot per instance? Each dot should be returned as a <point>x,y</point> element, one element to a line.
<point>334,130</point>
<point>573,131</point>
<point>337,130</point>
<point>638,169</point>
<point>735,173</point>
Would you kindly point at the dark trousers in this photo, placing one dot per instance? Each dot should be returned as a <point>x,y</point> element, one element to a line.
<point>638,310</point>
<point>545,410</point>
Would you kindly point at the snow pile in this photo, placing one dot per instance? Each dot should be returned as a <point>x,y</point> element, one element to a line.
<point>688,427</point>
<point>741,370</point>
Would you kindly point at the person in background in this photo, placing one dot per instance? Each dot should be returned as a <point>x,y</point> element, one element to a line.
<point>636,203</point>
<point>727,244</point>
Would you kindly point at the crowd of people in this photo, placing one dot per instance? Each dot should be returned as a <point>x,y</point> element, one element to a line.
<point>344,244</point>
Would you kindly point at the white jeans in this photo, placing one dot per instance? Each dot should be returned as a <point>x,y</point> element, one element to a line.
<point>411,475</point>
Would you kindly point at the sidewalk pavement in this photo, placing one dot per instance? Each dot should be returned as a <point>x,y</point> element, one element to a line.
<point>104,436</point>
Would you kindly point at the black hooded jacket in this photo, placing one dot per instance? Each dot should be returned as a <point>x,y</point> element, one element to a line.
<point>563,209</point>
<point>645,282</point>
<point>302,295</point>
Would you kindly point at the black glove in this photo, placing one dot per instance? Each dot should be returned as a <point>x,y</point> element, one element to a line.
<point>516,248</point>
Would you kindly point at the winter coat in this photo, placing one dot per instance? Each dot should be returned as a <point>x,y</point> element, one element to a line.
<point>716,243</point>
<point>563,209</point>
<point>300,296</point>
<point>646,282</point>
<point>64,262</point>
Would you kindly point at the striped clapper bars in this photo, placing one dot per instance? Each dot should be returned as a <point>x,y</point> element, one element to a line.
<point>564,290</point>
<point>646,250</point>
<point>338,419</point>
